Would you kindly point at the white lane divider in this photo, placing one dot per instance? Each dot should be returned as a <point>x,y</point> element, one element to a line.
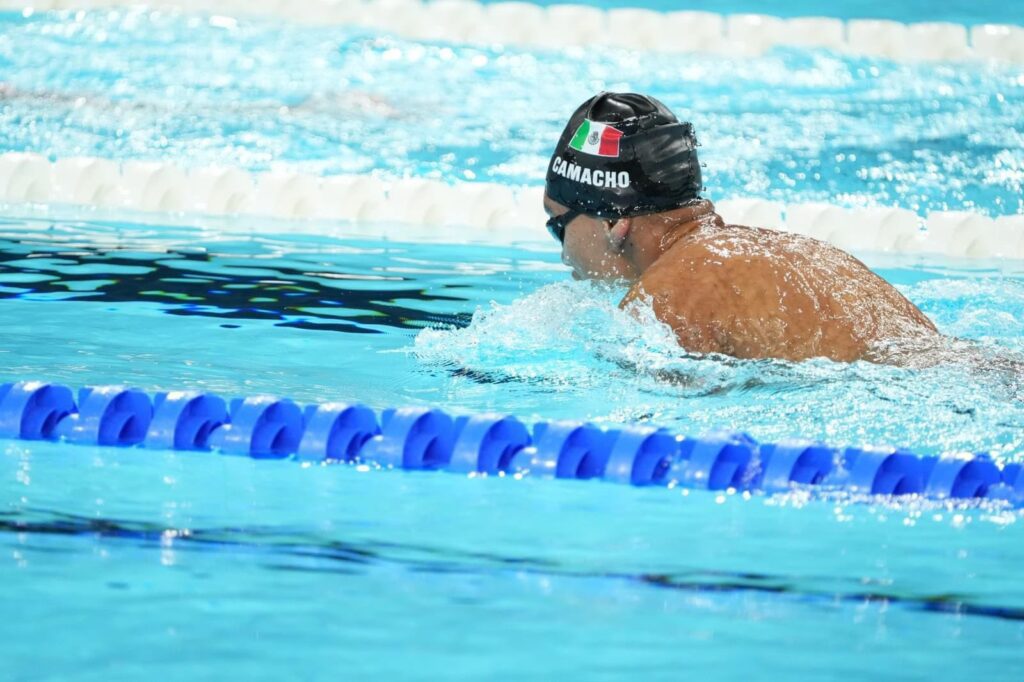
<point>418,207</point>
<point>571,25</point>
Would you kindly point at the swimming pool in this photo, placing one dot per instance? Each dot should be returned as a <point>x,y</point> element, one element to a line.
<point>123,560</point>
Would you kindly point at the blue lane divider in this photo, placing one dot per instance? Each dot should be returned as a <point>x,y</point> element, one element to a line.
<point>32,410</point>
<point>961,477</point>
<point>185,420</point>
<point>267,427</point>
<point>642,456</point>
<point>568,450</point>
<point>412,438</point>
<point>794,461</point>
<point>880,471</point>
<point>336,432</point>
<point>718,461</point>
<point>263,427</point>
<point>108,415</point>
<point>487,443</point>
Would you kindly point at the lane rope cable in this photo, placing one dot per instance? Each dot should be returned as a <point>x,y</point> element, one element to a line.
<point>425,438</point>
<point>421,209</point>
<point>560,26</point>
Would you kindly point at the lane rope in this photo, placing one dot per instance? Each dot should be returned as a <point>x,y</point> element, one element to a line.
<point>421,209</point>
<point>424,438</point>
<point>524,24</point>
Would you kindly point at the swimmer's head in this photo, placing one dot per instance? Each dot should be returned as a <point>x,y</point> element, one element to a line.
<point>623,155</point>
<point>587,246</point>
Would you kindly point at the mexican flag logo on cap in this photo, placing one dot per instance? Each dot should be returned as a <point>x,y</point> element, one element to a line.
<point>599,139</point>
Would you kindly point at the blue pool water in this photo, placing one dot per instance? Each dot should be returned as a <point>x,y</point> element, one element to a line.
<point>475,327</point>
<point>120,563</point>
<point>908,11</point>
<point>123,561</point>
<point>792,126</point>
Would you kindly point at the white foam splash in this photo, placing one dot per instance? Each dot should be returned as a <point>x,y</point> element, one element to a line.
<point>568,351</point>
<point>569,332</point>
<point>573,335</point>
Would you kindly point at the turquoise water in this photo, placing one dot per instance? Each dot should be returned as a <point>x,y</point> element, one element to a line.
<point>908,11</point>
<point>474,327</point>
<point>792,126</point>
<point>119,564</point>
<point>123,564</point>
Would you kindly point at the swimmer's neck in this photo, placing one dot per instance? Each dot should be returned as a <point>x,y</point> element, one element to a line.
<point>661,231</point>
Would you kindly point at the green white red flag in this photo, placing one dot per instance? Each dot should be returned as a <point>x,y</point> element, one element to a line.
<point>599,139</point>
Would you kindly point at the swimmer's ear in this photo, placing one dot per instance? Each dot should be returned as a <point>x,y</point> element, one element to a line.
<point>617,231</point>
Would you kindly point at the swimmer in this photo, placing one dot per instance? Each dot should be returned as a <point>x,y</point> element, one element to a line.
<point>624,198</point>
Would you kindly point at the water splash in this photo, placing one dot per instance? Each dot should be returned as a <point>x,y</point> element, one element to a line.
<point>793,125</point>
<point>580,356</point>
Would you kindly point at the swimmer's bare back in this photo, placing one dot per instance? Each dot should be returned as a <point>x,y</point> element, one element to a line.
<point>757,293</point>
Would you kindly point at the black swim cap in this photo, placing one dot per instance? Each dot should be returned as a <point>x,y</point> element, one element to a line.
<point>624,154</point>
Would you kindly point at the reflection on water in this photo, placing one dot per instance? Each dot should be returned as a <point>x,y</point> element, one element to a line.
<point>473,328</point>
<point>284,549</point>
<point>304,293</point>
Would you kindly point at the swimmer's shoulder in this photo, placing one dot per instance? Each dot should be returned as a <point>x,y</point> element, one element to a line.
<point>712,261</point>
<point>720,253</point>
<point>776,250</point>
<point>699,259</point>
<point>722,275</point>
<point>696,277</point>
<point>699,288</point>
